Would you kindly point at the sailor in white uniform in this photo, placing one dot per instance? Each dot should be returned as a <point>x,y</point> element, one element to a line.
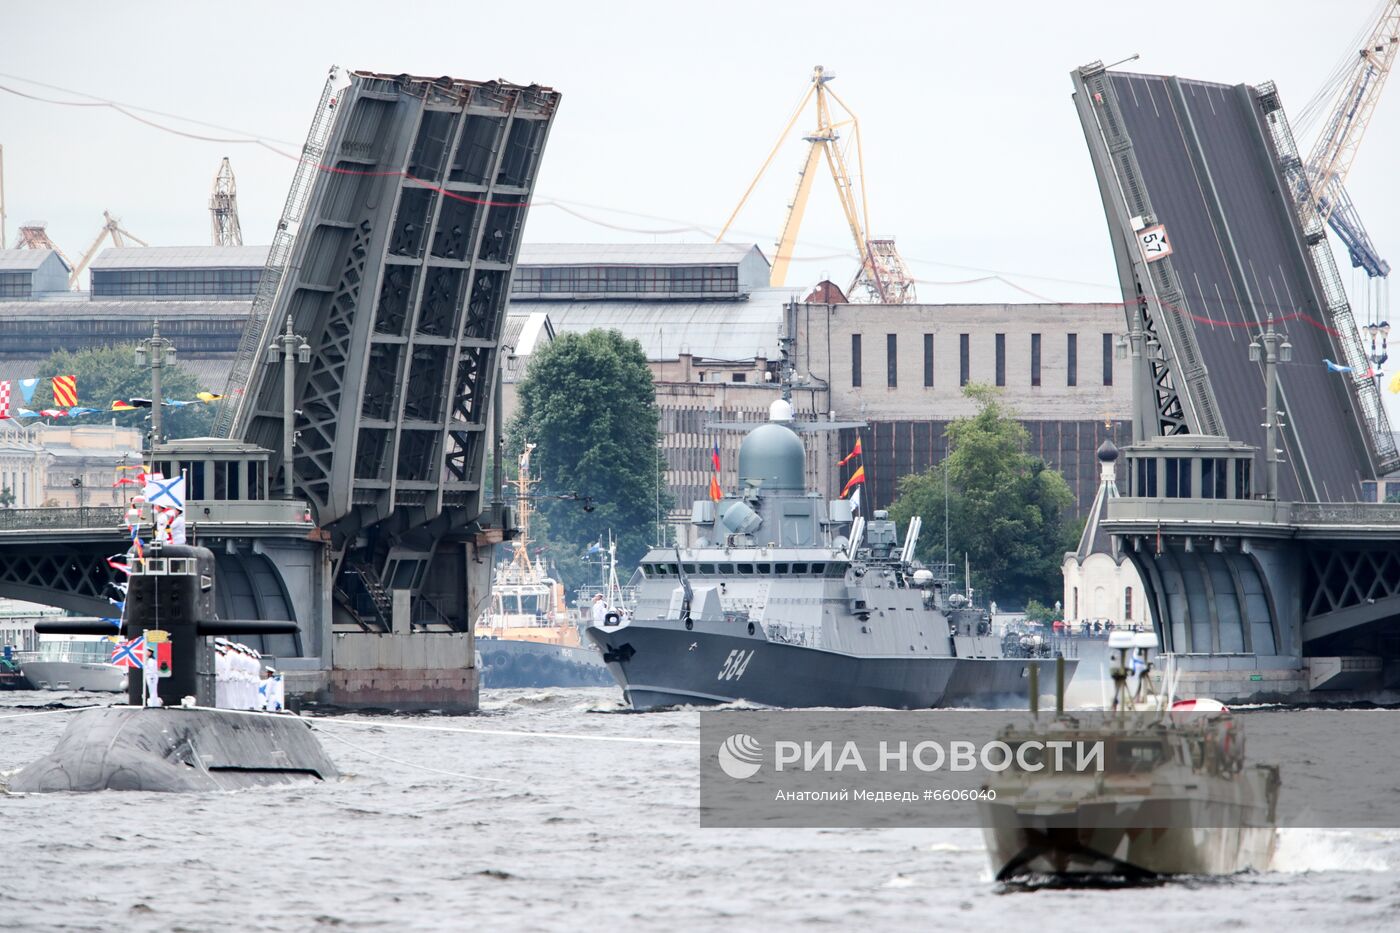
<point>221,692</point>
<point>600,609</point>
<point>151,674</point>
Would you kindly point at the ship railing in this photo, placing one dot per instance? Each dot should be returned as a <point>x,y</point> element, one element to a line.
<point>794,633</point>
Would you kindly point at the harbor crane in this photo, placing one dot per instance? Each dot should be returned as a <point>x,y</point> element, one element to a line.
<point>883,276</point>
<point>223,208</point>
<point>1358,89</point>
<point>35,235</point>
<point>1332,155</point>
<point>112,227</point>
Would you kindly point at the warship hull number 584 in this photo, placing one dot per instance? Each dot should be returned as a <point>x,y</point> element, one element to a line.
<point>791,601</point>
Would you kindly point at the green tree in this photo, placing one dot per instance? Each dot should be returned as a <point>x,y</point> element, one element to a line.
<point>7,497</point>
<point>588,402</point>
<point>1006,508</point>
<point>107,374</point>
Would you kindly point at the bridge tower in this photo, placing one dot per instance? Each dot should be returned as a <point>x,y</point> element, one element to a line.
<point>394,256</point>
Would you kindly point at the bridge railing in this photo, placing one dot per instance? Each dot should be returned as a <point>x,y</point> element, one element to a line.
<point>101,516</point>
<point>1345,335</point>
<point>250,346</point>
<point>1346,513</point>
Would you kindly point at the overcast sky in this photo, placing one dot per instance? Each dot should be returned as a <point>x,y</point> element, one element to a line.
<point>974,155</point>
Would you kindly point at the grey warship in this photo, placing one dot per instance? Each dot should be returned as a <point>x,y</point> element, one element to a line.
<point>790,601</point>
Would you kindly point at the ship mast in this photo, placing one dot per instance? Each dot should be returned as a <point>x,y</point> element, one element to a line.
<point>521,567</point>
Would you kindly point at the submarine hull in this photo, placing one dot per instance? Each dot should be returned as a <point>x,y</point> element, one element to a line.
<point>662,664</point>
<point>177,750</point>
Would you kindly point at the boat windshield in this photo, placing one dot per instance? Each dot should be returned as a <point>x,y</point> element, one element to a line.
<point>85,652</point>
<point>528,601</point>
<point>1138,756</point>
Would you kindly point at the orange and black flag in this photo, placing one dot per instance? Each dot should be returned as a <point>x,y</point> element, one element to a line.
<point>855,452</point>
<point>857,479</point>
<point>715,493</point>
<point>122,406</point>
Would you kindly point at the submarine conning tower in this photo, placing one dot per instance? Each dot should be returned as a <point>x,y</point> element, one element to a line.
<point>171,590</point>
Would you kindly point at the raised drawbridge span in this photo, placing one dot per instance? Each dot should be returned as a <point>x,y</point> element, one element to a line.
<point>393,257</point>
<point>1211,246</point>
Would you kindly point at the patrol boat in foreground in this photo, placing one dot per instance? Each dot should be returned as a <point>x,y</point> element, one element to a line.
<point>1174,795</point>
<point>790,602</point>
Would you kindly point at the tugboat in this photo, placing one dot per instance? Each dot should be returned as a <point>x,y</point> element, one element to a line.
<point>526,638</point>
<point>1173,797</point>
<point>11,677</point>
<point>790,601</point>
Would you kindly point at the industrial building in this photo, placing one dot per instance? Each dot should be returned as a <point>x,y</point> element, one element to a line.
<point>710,326</point>
<point>201,296</point>
<point>903,368</point>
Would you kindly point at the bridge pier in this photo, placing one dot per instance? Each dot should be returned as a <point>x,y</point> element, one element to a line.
<point>1257,600</point>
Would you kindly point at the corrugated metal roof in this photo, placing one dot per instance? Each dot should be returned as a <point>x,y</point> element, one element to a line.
<point>23,260</point>
<point>181,257</point>
<point>634,254</point>
<point>515,323</point>
<point>79,306</point>
<point>720,330</point>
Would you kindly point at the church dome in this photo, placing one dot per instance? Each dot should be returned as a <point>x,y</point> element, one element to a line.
<point>1107,452</point>
<point>772,457</point>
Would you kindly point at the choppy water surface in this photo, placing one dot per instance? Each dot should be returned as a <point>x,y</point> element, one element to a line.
<point>568,835</point>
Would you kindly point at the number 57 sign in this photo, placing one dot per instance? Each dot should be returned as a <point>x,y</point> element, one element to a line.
<point>1154,243</point>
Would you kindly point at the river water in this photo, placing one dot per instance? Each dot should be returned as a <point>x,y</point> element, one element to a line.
<point>529,833</point>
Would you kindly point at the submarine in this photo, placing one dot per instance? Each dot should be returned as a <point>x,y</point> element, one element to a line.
<point>180,742</point>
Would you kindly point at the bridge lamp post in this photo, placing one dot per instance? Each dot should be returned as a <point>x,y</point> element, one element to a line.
<point>288,349</point>
<point>155,353</point>
<point>1130,345</point>
<point>1273,348</point>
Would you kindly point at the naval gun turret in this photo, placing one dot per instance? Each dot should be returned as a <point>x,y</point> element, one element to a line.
<point>179,742</point>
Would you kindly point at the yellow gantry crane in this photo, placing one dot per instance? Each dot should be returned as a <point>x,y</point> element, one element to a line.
<point>883,276</point>
<point>111,226</point>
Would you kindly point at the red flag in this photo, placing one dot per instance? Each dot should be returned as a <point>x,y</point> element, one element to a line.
<point>855,452</point>
<point>715,492</point>
<point>857,478</point>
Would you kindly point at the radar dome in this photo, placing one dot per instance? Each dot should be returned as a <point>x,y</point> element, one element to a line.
<point>780,410</point>
<point>772,457</point>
